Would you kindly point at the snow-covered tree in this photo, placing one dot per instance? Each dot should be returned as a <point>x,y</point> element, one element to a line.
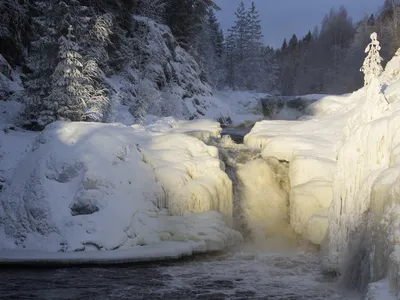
<point>153,9</point>
<point>250,65</point>
<point>69,94</point>
<point>73,96</point>
<point>372,66</point>
<point>185,18</point>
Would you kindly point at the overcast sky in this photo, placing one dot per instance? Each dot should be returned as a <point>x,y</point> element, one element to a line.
<point>282,18</point>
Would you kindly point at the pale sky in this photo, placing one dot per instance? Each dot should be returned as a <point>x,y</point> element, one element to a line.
<point>282,18</point>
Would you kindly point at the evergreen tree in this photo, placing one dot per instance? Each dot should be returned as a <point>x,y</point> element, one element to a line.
<point>230,59</point>
<point>67,99</point>
<point>254,72</point>
<point>372,66</point>
<point>14,30</point>
<point>284,46</point>
<point>73,96</point>
<point>351,78</point>
<point>211,50</point>
<point>153,9</point>
<point>185,18</point>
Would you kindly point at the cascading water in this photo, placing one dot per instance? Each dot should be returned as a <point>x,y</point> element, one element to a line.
<point>261,198</point>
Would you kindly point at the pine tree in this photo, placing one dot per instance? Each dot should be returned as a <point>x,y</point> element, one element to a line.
<point>284,46</point>
<point>42,58</point>
<point>372,66</point>
<point>153,9</point>
<point>238,42</point>
<point>210,50</point>
<point>70,91</point>
<point>241,31</point>
<point>185,18</point>
<point>256,75</point>
<point>51,24</point>
<point>230,59</point>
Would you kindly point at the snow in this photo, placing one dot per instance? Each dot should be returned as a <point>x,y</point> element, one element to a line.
<point>379,291</point>
<point>233,108</point>
<point>344,174</point>
<point>310,146</point>
<point>98,187</point>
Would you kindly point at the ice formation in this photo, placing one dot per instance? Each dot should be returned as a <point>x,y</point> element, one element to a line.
<point>87,186</point>
<point>344,174</point>
<point>310,148</point>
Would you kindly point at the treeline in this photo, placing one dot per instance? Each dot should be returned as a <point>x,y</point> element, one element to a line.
<point>328,60</point>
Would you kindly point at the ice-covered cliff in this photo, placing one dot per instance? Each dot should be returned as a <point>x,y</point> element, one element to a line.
<point>344,172</point>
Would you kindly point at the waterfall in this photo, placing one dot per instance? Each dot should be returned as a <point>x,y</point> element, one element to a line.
<point>260,195</point>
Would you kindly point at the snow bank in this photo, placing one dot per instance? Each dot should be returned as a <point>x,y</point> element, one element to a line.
<point>327,105</point>
<point>98,187</point>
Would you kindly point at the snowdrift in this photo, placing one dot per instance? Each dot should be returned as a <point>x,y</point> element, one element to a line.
<point>86,187</point>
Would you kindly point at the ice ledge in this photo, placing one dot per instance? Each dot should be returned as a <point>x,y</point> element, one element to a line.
<point>162,251</point>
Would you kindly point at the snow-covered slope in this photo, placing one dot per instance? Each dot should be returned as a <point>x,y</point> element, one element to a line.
<point>159,81</point>
<point>99,187</point>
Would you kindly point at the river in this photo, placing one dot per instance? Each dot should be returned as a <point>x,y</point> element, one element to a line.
<point>248,273</point>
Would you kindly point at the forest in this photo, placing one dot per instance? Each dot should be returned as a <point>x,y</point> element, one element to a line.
<point>68,51</point>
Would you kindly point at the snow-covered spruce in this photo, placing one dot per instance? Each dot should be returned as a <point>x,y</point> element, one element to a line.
<point>372,66</point>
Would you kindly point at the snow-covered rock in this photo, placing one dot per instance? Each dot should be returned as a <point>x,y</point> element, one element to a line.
<point>98,187</point>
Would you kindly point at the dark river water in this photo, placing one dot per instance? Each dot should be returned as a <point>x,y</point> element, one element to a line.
<point>244,274</point>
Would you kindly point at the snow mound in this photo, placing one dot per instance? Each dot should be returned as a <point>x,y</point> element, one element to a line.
<point>97,187</point>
